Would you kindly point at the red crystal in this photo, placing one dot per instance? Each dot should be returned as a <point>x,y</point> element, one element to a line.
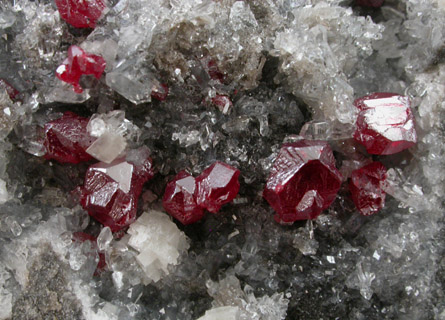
<point>80,63</point>
<point>366,188</point>
<point>81,13</point>
<point>370,3</point>
<point>10,90</point>
<point>303,181</point>
<point>160,93</point>
<point>385,123</point>
<point>105,199</point>
<point>216,186</point>
<point>179,199</point>
<point>66,139</point>
<point>222,102</point>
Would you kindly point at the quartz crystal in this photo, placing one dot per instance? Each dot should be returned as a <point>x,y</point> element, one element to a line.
<point>111,191</point>
<point>385,123</point>
<point>81,13</point>
<point>303,181</point>
<point>221,313</point>
<point>216,186</point>
<point>77,64</point>
<point>12,92</point>
<point>66,139</point>
<point>366,188</point>
<point>179,199</point>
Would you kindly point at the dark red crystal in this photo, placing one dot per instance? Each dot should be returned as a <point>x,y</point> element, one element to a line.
<point>160,93</point>
<point>10,90</point>
<point>80,63</point>
<point>385,123</point>
<point>81,13</point>
<point>366,188</point>
<point>66,139</point>
<point>216,186</point>
<point>303,181</point>
<point>104,198</point>
<point>223,102</point>
<point>179,199</point>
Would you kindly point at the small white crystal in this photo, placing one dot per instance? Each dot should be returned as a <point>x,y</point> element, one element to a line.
<point>119,170</point>
<point>221,313</point>
<point>3,192</point>
<point>108,147</point>
<point>104,239</point>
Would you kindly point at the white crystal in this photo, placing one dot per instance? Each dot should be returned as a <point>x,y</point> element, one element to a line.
<point>108,147</point>
<point>104,239</point>
<point>119,170</point>
<point>221,313</point>
<point>3,192</point>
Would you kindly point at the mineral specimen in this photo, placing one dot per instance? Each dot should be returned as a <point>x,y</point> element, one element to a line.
<point>385,123</point>
<point>370,3</point>
<point>303,181</point>
<point>66,139</point>
<point>12,92</point>
<point>179,199</point>
<point>77,64</point>
<point>366,188</point>
<point>81,14</point>
<point>111,191</point>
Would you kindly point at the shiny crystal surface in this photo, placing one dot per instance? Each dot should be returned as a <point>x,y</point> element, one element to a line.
<point>366,186</point>
<point>81,14</point>
<point>66,139</point>
<point>77,64</point>
<point>110,192</point>
<point>179,199</point>
<point>385,123</point>
<point>303,181</point>
<point>216,186</point>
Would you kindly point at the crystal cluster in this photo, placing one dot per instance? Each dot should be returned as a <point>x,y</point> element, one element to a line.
<point>81,14</point>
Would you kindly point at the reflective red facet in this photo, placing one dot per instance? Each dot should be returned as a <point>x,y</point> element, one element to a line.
<point>66,139</point>
<point>366,188</point>
<point>81,13</point>
<point>385,123</point>
<point>80,63</point>
<point>303,181</point>
<point>105,200</point>
<point>216,186</point>
<point>179,199</point>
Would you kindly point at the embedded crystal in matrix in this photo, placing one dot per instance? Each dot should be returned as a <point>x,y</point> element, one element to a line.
<point>81,14</point>
<point>80,63</point>
<point>303,181</point>
<point>111,191</point>
<point>366,188</point>
<point>385,123</point>
<point>66,139</point>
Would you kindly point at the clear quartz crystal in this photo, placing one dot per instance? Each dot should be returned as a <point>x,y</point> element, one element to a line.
<point>3,192</point>
<point>104,239</point>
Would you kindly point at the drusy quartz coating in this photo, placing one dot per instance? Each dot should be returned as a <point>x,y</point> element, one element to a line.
<point>110,192</point>
<point>179,199</point>
<point>385,123</point>
<point>366,188</point>
<point>216,186</point>
<point>303,181</point>
<point>81,13</point>
<point>66,139</point>
<point>80,63</point>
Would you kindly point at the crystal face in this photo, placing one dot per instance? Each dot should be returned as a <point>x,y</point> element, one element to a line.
<point>66,139</point>
<point>216,186</point>
<point>179,199</point>
<point>80,63</point>
<point>110,192</point>
<point>385,123</point>
<point>12,92</point>
<point>80,13</point>
<point>303,181</point>
<point>366,188</point>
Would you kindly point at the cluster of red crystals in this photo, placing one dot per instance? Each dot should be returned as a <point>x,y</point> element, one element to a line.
<point>385,123</point>
<point>160,93</point>
<point>66,139</point>
<point>104,198</point>
<point>10,90</point>
<point>185,197</point>
<point>370,3</point>
<point>303,181</point>
<point>81,13</point>
<point>80,63</point>
<point>366,188</point>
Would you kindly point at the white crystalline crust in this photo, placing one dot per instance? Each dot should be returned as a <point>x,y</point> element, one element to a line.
<point>221,313</point>
<point>159,243</point>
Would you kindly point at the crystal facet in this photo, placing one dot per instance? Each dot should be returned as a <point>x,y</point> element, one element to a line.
<point>111,191</point>
<point>81,14</point>
<point>303,181</point>
<point>66,139</point>
<point>179,199</point>
<point>385,123</point>
<point>80,63</point>
<point>366,188</point>
<point>216,186</point>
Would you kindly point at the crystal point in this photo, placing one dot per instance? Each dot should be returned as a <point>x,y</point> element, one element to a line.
<point>303,181</point>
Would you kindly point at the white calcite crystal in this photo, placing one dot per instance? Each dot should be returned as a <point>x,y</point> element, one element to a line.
<point>221,313</point>
<point>159,243</point>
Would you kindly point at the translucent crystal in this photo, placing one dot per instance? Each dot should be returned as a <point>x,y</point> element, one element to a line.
<point>221,313</point>
<point>104,239</point>
<point>3,192</point>
<point>81,14</point>
<point>108,147</point>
